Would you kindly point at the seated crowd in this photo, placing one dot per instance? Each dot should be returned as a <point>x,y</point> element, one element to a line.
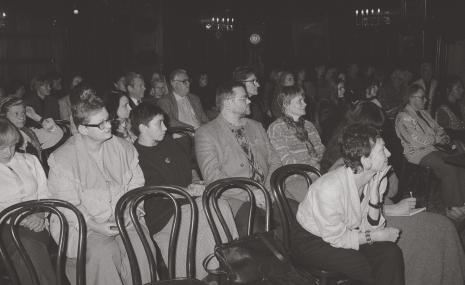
<point>89,149</point>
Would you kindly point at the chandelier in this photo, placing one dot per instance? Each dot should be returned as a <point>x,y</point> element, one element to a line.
<point>218,24</point>
<point>371,18</point>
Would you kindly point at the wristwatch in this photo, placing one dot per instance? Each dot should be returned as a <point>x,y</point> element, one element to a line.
<point>368,237</point>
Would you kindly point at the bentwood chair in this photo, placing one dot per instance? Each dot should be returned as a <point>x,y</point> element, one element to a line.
<point>11,217</point>
<point>288,221</point>
<point>129,202</point>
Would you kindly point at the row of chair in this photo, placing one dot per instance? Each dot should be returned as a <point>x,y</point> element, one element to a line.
<point>12,216</point>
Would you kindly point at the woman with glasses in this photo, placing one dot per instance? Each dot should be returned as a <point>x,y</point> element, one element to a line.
<point>92,170</point>
<point>424,142</point>
<point>23,179</point>
<point>295,139</point>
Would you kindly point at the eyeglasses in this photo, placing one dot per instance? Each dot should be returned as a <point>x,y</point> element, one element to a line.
<point>242,98</point>
<point>102,125</point>
<point>254,81</point>
<point>421,97</point>
<point>185,81</point>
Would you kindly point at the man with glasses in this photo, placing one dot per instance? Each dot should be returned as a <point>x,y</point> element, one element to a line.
<point>246,75</point>
<point>234,146</point>
<point>423,141</point>
<point>182,107</point>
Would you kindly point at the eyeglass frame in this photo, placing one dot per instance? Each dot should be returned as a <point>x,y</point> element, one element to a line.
<point>184,81</point>
<point>254,81</point>
<point>100,125</point>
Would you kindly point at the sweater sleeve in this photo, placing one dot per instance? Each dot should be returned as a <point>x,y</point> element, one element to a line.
<point>330,219</point>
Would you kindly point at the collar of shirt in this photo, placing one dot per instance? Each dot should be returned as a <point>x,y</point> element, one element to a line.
<point>179,97</point>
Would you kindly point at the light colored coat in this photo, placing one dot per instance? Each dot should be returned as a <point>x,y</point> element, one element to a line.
<point>220,156</point>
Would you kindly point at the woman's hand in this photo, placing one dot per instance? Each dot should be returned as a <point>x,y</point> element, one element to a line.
<point>34,222</point>
<point>49,125</point>
<point>378,185</point>
<point>386,234</point>
<point>31,113</point>
<point>401,208</point>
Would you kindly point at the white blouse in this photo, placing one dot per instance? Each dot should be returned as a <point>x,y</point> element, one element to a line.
<point>333,211</point>
<point>22,179</point>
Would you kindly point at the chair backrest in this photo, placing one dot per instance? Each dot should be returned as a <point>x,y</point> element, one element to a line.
<point>278,185</point>
<point>213,193</point>
<point>130,201</point>
<point>11,217</point>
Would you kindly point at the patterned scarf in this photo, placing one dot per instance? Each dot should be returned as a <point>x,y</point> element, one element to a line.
<point>300,132</point>
<point>257,172</point>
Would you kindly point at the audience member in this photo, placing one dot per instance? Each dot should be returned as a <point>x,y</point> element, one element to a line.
<point>421,136</point>
<point>40,100</point>
<point>247,76</point>
<point>443,263</point>
<point>118,108</point>
<point>203,87</point>
<point>451,111</point>
<point>235,146</point>
<point>285,79</point>
<point>23,179</point>
<point>182,107</point>
<point>429,85</point>
<point>391,94</point>
<point>64,103</point>
<point>92,170</point>
<point>42,134</point>
<point>165,162</point>
<point>135,88</point>
<point>295,139</point>
<point>340,223</point>
<point>159,89</point>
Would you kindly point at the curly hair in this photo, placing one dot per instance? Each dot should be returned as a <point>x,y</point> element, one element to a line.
<point>87,104</point>
<point>356,141</point>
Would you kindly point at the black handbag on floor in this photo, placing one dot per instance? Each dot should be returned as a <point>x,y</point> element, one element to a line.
<point>257,258</point>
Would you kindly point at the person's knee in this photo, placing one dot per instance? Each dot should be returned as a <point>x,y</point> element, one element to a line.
<point>103,253</point>
<point>391,253</point>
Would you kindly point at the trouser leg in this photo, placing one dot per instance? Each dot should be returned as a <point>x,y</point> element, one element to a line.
<point>386,261</point>
<point>452,178</point>
<point>35,244</point>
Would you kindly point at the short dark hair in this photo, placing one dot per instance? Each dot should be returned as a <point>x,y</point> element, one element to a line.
<point>143,114</point>
<point>356,142</point>
<point>241,73</point>
<point>225,91</point>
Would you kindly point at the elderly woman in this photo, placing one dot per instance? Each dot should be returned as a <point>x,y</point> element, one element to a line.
<point>295,139</point>
<point>340,223</point>
<point>422,137</point>
<point>92,170</point>
<point>23,179</point>
<point>37,133</point>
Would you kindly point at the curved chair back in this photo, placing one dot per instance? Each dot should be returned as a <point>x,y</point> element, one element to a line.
<point>278,185</point>
<point>11,217</point>
<point>130,201</point>
<point>213,193</point>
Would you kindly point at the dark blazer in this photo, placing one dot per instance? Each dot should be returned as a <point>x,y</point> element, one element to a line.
<point>170,106</point>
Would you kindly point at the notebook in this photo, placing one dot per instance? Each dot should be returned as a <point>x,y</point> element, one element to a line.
<point>411,213</point>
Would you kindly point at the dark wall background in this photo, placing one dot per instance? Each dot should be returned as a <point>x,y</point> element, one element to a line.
<point>111,36</point>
